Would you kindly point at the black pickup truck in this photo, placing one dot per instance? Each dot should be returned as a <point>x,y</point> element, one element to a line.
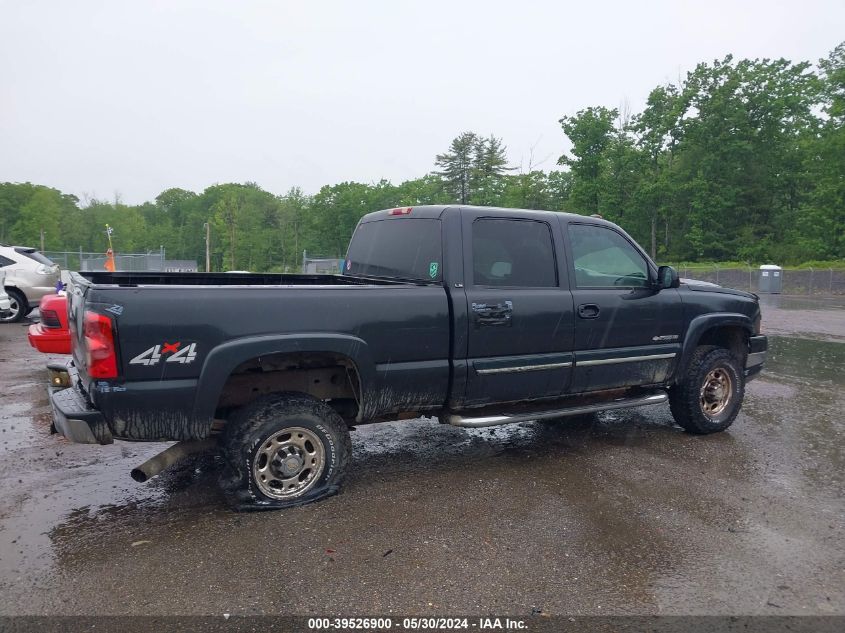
<point>478,316</point>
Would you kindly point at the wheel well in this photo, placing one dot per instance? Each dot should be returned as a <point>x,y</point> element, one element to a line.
<point>734,338</point>
<point>332,378</point>
<point>18,291</point>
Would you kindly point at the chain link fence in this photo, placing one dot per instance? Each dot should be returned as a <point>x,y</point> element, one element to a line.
<point>315,265</point>
<point>130,262</point>
<point>808,281</point>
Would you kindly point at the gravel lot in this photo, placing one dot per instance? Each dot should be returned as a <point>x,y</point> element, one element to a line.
<point>625,516</point>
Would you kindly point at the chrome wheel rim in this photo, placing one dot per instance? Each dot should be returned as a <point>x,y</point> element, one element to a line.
<point>716,392</point>
<point>288,463</point>
<point>14,308</point>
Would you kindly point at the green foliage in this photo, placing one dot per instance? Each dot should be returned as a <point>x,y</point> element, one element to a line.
<point>591,134</point>
<point>741,161</point>
<point>472,169</point>
<point>27,209</point>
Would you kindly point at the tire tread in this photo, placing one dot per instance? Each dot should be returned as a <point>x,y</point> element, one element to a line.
<point>239,437</point>
<point>684,397</point>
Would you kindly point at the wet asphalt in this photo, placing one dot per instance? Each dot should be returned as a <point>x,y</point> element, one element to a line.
<point>627,515</point>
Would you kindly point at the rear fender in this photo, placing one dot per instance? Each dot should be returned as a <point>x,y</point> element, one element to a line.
<point>223,360</point>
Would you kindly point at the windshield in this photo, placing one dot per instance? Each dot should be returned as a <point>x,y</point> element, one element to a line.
<point>406,248</point>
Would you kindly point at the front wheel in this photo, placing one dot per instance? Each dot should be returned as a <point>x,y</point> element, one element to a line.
<point>284,450</point>
<point>710,394</point>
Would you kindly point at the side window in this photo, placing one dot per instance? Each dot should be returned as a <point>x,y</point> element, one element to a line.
<point>5,261</point>
<point>603,258</point>
<point>515,253</point>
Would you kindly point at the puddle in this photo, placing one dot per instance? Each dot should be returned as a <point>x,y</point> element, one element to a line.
<point>813,362</point>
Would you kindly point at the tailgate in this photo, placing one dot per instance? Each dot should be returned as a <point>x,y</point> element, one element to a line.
<point>77,288</point>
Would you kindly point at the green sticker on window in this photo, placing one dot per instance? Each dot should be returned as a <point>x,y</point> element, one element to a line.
<point>432,270</point>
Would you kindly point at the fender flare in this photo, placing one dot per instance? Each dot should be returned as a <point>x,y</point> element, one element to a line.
<point>223,359</point>
<point>705,322</point>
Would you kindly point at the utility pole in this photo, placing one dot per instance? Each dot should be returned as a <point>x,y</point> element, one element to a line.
<point>42,240</point>
<point>207,247</point>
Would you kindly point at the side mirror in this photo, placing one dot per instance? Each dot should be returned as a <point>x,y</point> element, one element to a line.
<point>667,277</point>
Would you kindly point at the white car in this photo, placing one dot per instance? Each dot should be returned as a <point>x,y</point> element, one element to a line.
<point>5,302</point>
<point>29,276</point>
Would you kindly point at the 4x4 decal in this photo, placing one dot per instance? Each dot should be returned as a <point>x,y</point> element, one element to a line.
<point>153,355</point>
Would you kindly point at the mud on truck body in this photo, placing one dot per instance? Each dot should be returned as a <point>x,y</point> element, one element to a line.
<point>477,316</point>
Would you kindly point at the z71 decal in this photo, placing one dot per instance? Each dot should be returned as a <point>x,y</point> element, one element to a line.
<point>152,356</point>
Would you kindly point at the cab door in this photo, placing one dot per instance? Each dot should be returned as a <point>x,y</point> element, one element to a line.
<point>520,319</point>
<point>627,333</point>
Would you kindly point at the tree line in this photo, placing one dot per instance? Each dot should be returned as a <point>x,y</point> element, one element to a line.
<point>741,160</point>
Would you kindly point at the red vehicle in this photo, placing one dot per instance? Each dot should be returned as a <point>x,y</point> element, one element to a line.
<point>51,335</point>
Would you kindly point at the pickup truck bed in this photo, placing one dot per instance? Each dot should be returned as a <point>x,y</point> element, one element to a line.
<point>397,332</point>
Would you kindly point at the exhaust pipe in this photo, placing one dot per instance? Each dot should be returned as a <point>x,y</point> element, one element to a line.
<point>170,456</point>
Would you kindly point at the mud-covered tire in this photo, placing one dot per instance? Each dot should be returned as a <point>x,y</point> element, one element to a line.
<point>691,398</point>
<point>20,305</point>
<point>254,429</point>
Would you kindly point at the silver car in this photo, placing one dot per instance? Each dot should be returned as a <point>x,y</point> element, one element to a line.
<point>29,276</point>
<point>5,302</point>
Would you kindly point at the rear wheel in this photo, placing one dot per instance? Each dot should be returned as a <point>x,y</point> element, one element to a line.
<point>711,393</point>
<point>284,450</point>
<point>18,307</point>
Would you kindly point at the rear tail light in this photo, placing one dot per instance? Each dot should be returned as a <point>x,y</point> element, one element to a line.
<point>99,346</point>
<point>50,319</point>
<point>400,211</point>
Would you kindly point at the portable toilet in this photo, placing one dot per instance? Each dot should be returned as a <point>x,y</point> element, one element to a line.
<point>771,279</point>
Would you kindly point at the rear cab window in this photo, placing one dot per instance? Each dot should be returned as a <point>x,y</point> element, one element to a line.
<point>400,248</point>
<point>513,253</point>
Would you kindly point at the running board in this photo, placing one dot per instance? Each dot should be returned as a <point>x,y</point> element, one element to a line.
<point>657,397</point>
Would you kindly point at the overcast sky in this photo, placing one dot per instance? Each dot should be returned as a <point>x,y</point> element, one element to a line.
<point>99,98</point>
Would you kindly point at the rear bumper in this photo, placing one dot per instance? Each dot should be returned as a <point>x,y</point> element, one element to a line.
<point>758,347</point>
<point>49,340</point>
<point>73,415</point>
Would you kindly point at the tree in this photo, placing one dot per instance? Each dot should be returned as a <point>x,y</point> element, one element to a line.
<point>42,212</point>
<point>620,173</point>
<point>590,132</point>
<point>430,189</point>
<point>292,215</point>
<point>489,165</point>
<point>473,167</point>
<point>658,133</point>
<point>336,209</point>
<point>739,159</point>
<point>820,233</point>
<point>457,165</point>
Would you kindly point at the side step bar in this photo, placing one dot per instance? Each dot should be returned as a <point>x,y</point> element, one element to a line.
<point>657,397</point>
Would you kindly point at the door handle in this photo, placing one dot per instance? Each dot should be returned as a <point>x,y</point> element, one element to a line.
<point>493,314</point>
<point>588,311</point>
